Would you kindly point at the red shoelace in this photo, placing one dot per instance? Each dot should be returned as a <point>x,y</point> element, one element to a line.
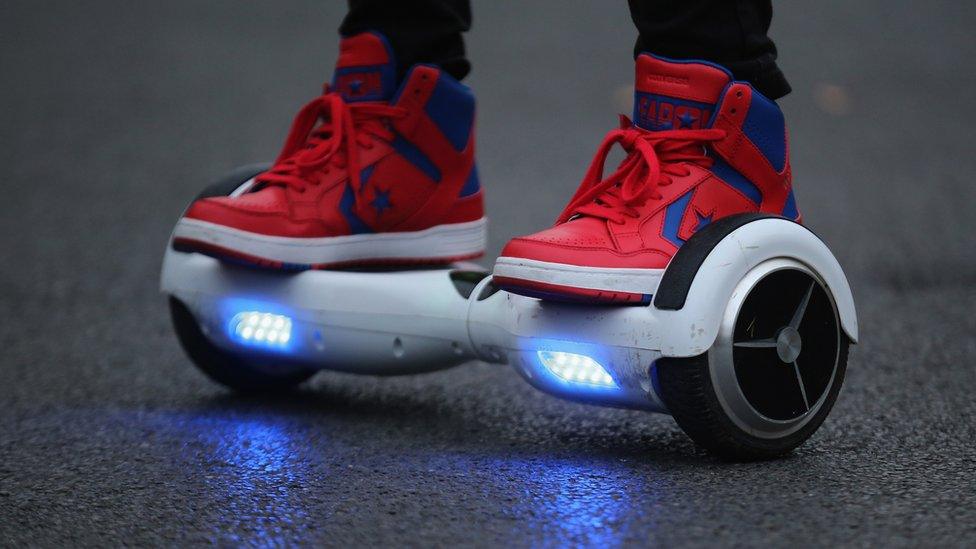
<point>336,141</point>
<point>653,158</point>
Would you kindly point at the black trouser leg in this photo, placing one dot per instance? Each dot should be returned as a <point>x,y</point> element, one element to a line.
<point>731,33</point>
<point>420,31</point>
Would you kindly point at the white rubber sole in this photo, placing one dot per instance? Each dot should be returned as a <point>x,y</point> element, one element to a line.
<point>443,242</point>
<point>633,281</point>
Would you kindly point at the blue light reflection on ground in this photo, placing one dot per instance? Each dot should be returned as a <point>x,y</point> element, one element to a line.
<point>586,504</point>
<point>256,475</point>
<point>265,478</point>
<point>565,501</point>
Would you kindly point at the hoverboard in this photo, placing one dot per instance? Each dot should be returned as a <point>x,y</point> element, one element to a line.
<point>744,341</point>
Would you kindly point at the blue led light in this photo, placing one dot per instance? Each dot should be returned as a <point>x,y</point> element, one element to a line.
<point>575,368</point>
<point>260,328</point>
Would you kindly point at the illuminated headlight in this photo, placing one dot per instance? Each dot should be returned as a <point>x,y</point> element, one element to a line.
<point>576,368</point>
<point>261,328</point>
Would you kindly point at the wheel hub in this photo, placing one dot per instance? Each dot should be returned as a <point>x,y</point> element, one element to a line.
<point>774,361</point>
<point>788,344</point>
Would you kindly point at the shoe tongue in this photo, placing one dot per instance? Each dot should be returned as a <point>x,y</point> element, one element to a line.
<point>676,95</point>
<point>366,69</point>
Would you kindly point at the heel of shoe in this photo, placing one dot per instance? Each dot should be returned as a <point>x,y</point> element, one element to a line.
<point>470,204</point>
<point>456,241</point>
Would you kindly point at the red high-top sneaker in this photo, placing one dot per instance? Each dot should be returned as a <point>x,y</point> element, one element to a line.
<point>370,174</point>
<point>701,147</point>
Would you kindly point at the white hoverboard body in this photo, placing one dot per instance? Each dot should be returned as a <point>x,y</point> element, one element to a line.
<point>412,321</point>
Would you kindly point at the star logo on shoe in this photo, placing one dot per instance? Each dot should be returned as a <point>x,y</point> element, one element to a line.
<point>687,119</point>
<point>381,201</point>
<point>355,86</point>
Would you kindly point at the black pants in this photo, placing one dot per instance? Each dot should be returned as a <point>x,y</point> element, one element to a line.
<point>731,33</point>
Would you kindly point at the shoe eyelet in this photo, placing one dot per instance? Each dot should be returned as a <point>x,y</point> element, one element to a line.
<point>738,93</point>
<point>732,110</point>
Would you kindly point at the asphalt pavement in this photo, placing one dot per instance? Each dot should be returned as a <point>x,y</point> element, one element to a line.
<point>114,113</point>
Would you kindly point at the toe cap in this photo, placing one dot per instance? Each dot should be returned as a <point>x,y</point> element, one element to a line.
<point>585,243</point>
<point>264,212</point>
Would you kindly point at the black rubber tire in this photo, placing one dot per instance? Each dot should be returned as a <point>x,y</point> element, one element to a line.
<point>686,388</point>
<point>255,373</point>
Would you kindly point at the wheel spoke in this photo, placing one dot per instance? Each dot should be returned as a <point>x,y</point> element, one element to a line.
<point>803,389</point>
<point>767,343</point>
<point>801,308</point>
